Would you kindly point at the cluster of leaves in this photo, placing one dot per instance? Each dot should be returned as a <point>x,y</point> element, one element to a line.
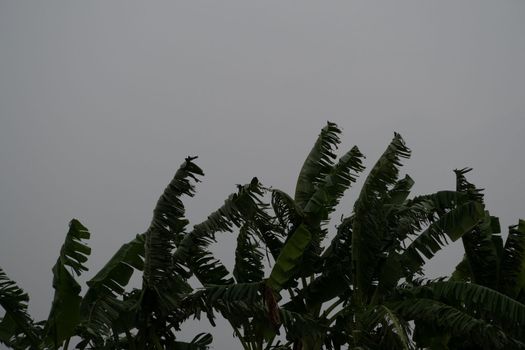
<point>360,287</point>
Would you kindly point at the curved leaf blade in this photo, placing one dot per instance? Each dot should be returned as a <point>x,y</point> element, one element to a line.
<point>513,261</point>
<point>289,258</point>
<point>16,319</point>
<point>317,164</point>
<point>369,222</point>
<point>248,257</point>
<point>239,208</point>
<point>167,223</point>
<point>65,310</point>
<point>333,185</point>
<point>101,305</point>
<point>452,225</point>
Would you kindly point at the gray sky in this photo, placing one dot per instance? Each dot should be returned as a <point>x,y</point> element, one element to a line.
<point>101,101</point>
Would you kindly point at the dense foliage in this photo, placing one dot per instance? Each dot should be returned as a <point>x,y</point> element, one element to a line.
<point>295,284</point>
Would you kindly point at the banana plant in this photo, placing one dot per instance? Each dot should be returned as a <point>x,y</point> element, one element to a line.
<point>338,292</point>
<point>344,289</point>
<point>18,330</point>
<point>109,316</point>
<point>146,318</point>
<point>491,263</point>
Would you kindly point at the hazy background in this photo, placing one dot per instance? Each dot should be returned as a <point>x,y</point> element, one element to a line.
<point>100,102</point>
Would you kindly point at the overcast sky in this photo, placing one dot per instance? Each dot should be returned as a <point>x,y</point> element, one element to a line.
<point>101,101</point>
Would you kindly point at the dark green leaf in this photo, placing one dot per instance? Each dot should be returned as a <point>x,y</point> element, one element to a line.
<point>317,164</point>
<point>513,261</point>
<point>289,258</point>
<point>65,310</point>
